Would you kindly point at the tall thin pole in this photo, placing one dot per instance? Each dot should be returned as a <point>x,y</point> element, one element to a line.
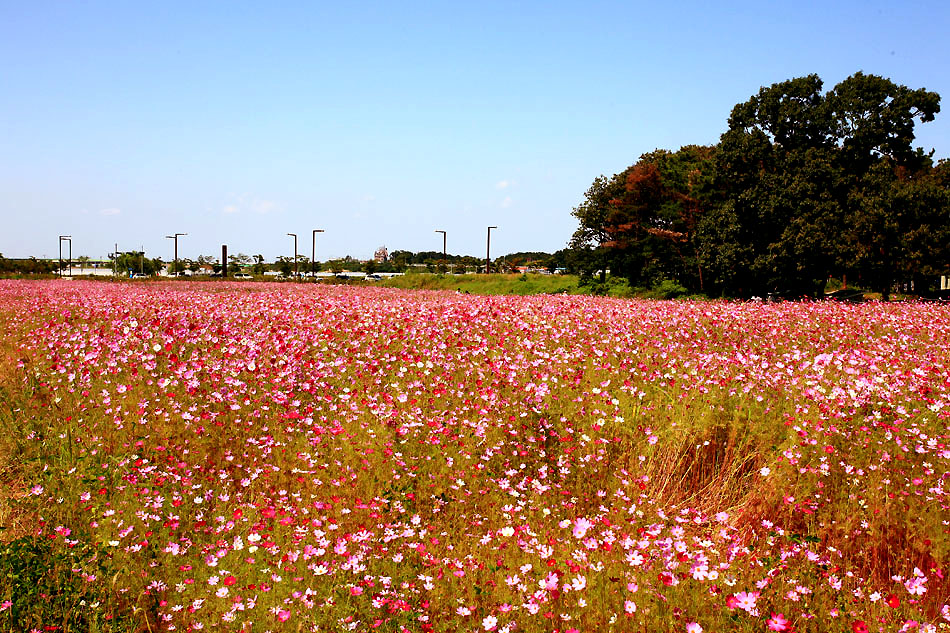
<point>488,251</point>
<point>444,256</point>
<point>69,239</point>
<point>175,237</point>
<point>313,254</point>
<point>294,235</point>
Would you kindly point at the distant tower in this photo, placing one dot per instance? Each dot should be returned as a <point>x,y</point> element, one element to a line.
<point>381,255</point>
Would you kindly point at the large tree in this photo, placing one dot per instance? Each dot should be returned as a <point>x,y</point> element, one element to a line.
<point>803,185</point>
<point>641,223</point>
<point>806,182</point>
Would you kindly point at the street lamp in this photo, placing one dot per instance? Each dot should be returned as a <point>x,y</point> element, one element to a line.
<point>175,237</point>
<point>294,235</point>
<point>313,254</point>
<point>444,256</point>
<point>488,251</point>
<point>69,239</point>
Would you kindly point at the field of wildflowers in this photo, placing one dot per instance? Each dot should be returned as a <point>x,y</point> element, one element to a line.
<point>252,457</point>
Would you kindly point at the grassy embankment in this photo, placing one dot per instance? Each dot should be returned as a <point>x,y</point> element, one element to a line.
<point>496,284</point>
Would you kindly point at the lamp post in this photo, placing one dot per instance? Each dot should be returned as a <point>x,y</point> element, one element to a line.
<point>488,251</point>
<point>69,239</point>
<point>444,256</point>
<point>294,235</point>
<point>313,254</point>
<point>175,237</point>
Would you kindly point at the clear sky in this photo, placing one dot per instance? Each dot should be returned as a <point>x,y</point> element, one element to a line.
<point>380,122</point>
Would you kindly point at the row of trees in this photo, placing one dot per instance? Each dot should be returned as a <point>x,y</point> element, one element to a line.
<point>803,186</point>
<point>27,266</point>
<point>132,262</point>
<point>398,261</point>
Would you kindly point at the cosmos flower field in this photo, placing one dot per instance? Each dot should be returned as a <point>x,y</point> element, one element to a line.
<point>263,457</point>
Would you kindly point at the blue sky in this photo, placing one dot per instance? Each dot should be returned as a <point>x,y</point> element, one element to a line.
<point>236,123</point>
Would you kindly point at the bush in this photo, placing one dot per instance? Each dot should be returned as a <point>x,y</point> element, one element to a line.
<point>669,289</point>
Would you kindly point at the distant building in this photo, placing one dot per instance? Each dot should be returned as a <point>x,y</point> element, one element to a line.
<point>381,255</point>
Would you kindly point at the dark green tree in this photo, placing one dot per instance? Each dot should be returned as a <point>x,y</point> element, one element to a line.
<point>285,265</point>
<point>806,181</point>
<point>259,267</point>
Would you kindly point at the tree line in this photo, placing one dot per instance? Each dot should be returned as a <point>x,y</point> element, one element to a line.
<point>27,266</point>
<point>399,261</point>
<point>804,186</point>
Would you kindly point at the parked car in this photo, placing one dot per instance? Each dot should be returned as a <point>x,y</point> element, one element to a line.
<point>139,276</point>
<point>243,276</point>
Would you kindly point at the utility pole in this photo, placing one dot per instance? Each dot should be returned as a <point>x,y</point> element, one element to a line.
<point>67,238</point>
<point>444,256</point>
<point>313,254</point>
<point>294,235</point>
<point>175,237</point>
<point>488,251</point>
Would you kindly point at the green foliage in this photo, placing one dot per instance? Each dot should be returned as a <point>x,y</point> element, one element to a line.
<point>46,583</point>
<point>285,265</point>
<point>346,263</point>
<point>802,186</point>
<point>30,266</point>
<point>669,289</point>
<point>642,223</point>
<point>494,284</point>
<point>238,262</point>
<point>810,180</point>
<point>135,262</point>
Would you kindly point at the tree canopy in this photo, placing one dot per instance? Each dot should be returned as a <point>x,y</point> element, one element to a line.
<point>803,185</point>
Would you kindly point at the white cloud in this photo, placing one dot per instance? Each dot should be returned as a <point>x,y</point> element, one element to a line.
<point>263,206</point>
<point>505,203</point>
<point>110,211</point>
<point>248,203</point>
<point>503,184</point>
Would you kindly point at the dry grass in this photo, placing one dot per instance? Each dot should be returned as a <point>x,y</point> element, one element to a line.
<point>15,522</point>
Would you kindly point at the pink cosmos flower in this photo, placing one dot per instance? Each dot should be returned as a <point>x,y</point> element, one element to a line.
<point>746,600</point>
<point>778,622</point>
<point>581,526</point>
